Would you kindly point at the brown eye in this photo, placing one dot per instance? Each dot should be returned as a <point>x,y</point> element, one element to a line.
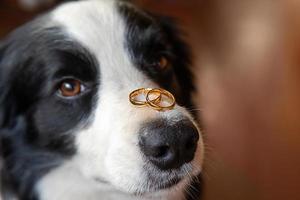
<point>163,63</point>
<point>70,88</point>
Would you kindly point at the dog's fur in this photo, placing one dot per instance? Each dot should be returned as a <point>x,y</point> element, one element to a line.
<point>86,147</point>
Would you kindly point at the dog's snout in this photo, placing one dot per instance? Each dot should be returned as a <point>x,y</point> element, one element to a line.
<point>169,146</point>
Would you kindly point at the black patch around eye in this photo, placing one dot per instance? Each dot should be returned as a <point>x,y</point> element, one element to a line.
<point>44,57</point>
<point>55,118</point>
<point>144,39</point>
<point>147,37</point>
<point>75,65</point>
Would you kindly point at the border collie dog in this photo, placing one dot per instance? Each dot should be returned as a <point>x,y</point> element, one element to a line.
<point>68,130</point>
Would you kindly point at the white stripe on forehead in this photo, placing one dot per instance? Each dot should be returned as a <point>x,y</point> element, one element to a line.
<point>98,25</point>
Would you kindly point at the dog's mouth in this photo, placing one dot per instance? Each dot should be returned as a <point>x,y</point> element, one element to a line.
<point>158,180</point>
<point>166,184</point>
<point>150,185</point>
<point>154,187</point>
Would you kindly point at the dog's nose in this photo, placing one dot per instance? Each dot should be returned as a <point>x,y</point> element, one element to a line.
<point>169,146</point>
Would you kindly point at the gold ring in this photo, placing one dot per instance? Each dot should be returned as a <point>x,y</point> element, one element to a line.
<point>145,91</point>
<point>158,105</point>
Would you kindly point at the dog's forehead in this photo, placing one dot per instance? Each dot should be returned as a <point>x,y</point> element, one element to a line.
<point>100,27</point>
<point>95,23</point>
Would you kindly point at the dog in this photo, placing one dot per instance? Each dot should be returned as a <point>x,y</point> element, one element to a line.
<point>68,130</point>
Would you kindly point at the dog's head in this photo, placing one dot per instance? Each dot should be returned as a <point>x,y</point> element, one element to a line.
<point>69,73</point>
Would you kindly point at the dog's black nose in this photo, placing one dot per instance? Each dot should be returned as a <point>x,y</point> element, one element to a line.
<point>169,146</point>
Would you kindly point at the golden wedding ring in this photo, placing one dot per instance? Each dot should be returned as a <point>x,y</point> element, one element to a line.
<point>133,97</point>
<point>169,99</point>
<point>157,98</point>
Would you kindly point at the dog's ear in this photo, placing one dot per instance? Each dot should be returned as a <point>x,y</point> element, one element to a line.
<point>2,102</point>
<point>11,137</point>
<point>2,49</point>
<point>182,56</point>
<point>6,98</point>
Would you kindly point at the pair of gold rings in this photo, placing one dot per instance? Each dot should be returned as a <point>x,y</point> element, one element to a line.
<point>157,98</point>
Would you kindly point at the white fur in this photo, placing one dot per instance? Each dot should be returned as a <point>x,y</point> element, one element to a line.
<point>108,149</point>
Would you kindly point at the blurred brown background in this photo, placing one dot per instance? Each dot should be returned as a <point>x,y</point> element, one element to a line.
<point>247,57</point>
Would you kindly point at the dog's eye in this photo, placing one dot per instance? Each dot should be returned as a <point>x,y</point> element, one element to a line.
<point>161,63</point>
<point>70,87</point>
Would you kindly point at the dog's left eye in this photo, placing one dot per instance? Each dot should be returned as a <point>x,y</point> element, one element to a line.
<point>71,87</point>
<point>161,63</point>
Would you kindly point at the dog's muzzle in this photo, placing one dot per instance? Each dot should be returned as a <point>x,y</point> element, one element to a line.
<point>166,145</point>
